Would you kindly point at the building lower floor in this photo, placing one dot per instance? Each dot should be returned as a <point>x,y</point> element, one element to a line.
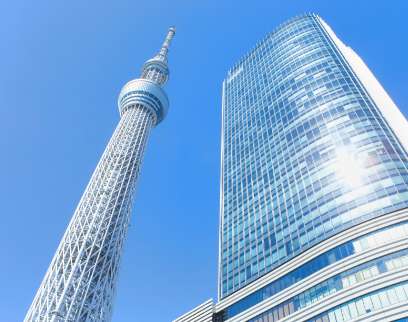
<point>360,274</point>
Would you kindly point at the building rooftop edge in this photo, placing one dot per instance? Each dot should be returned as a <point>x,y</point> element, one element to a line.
<point>196,308</point>
<point>269,34</point>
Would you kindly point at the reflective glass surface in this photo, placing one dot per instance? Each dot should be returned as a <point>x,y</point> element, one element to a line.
<point>306,153</point>
<point>359,245</point>
<point>366,304</point>
<point>334,284</point>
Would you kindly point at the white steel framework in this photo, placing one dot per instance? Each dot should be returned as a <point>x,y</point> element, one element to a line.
<point>80,282</point>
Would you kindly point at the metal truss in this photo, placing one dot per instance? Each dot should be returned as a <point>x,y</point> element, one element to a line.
<point>80,282</point>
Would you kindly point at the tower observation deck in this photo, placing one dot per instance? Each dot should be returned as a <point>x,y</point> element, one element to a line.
<point>80,282</point>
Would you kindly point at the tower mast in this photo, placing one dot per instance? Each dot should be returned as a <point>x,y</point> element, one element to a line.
<point>81,280</point>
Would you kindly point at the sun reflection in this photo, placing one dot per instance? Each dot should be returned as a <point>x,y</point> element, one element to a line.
<point>347,167</point>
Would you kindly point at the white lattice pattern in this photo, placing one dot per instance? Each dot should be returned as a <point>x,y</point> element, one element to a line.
<point>80,282</point>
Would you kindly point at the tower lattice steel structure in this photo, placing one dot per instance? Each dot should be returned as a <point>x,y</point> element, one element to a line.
<point>80,282</point>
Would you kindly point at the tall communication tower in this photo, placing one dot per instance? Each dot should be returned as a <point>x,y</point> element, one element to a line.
<point>80,282</point>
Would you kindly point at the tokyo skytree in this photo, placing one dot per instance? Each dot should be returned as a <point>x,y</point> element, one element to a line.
<point>80,282</point>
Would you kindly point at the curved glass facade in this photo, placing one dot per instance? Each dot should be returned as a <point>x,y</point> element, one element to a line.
<point>366,304</point>
<point>306,153</point>
<point>347,279</point>
<point>360,245</point>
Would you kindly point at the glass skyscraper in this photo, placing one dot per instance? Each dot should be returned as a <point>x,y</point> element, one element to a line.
<point>314,186</point>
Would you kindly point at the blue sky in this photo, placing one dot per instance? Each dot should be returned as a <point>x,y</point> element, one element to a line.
<point>62,66</point>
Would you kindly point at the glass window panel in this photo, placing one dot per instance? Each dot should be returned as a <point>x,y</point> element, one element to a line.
<point>384,299</point>
<point>392,296</point>
<point>360,307</point>
<point>353,310</point>
<point>327,287</point>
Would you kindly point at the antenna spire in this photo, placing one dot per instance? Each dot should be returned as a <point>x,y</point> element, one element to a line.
<point>156,69</point>
<point>166,44</point>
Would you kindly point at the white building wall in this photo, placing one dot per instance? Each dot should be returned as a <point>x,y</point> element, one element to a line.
<point>386,105</point>
<point>201,313</point>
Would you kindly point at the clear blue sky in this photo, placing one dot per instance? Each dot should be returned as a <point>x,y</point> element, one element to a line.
<point>62,64</point>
